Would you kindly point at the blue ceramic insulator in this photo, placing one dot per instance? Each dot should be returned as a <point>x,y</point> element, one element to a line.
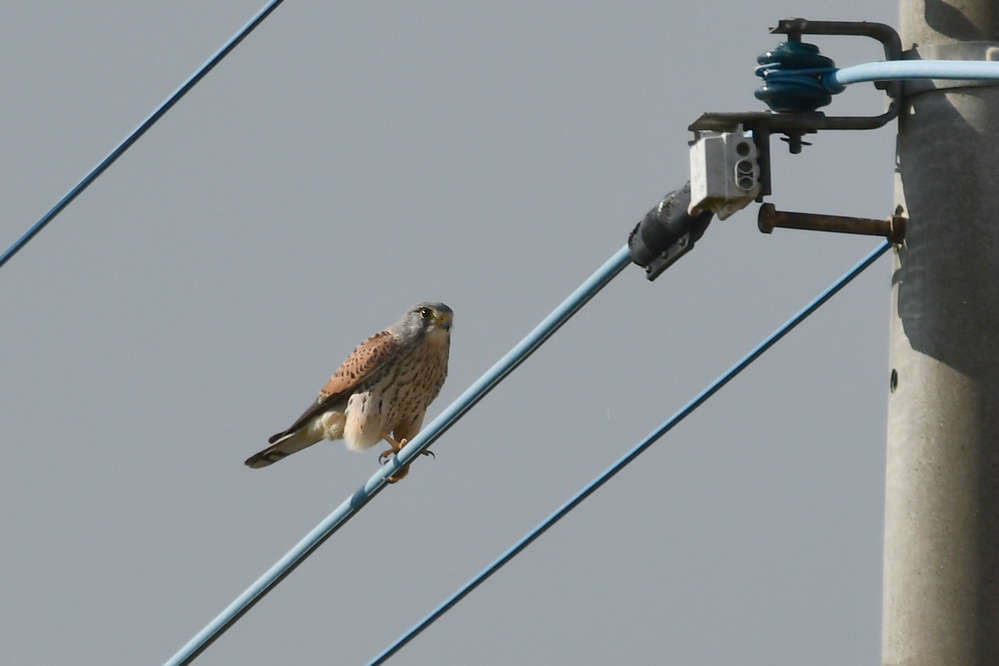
<point>786,91</point>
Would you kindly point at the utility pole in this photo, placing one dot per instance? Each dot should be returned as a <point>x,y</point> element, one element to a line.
<point>941,568</point>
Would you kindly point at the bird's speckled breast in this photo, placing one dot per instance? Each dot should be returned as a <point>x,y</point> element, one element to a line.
<point>398,399</point>
<point>414,384</point>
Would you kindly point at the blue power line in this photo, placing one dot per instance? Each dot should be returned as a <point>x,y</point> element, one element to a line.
<point>702,397</point>
<point>803,82</point>
<point>893,70</point>
<point>428,436</point>
<point>140,130</point>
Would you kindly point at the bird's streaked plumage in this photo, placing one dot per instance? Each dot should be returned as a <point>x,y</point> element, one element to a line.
<point>381,391</point>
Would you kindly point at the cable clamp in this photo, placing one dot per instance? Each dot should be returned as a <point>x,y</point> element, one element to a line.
<point>667,232</point>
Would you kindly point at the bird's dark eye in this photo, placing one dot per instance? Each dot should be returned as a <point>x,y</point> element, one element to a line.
<point>426,313</point>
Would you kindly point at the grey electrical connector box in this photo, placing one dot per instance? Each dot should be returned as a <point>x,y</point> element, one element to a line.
<point>724,172</point>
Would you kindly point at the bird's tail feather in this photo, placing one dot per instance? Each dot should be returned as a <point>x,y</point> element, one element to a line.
<point>281,445</point>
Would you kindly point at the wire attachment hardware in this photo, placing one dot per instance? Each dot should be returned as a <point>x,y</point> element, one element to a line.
<point>667,232</point>
<point>792,77</point>
<point>730,153</point>
<point>724,172</point>
<point>792,118</point>
<point>796,82</point>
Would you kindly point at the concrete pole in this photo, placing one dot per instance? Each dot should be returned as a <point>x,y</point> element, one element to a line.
<point>941,570</point>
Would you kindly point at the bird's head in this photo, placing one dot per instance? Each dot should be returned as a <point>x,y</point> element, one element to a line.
<point>427,318</point>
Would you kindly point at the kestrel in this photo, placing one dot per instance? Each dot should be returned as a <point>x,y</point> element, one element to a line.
<point>380,392</point>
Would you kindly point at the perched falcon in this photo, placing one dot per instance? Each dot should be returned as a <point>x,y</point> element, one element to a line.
<point>380,392</point>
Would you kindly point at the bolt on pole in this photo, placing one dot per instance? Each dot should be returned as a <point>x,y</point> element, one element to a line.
<point>941,558</point>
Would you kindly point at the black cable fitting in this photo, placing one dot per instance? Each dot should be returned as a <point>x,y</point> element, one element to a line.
<point>667,233</point>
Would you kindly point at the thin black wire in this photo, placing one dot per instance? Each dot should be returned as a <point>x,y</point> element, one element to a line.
<point>668,425</point>
<point>139,131</point>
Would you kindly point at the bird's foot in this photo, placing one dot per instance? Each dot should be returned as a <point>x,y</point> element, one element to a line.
<point>396,448</point>
<point>398,476</point>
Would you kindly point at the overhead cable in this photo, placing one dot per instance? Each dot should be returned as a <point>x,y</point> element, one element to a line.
<point>140,130</point>
<point>668,425</point>
<point>428,436</point>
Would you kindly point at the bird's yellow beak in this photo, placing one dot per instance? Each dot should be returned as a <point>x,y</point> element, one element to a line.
<point>443,319</point>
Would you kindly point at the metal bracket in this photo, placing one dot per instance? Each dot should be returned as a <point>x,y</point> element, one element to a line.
<point>795,125</point>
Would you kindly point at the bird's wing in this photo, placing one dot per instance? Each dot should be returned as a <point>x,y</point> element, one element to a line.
<point>364,363</point>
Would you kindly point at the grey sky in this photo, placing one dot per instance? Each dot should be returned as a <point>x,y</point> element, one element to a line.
<point>346,161</point>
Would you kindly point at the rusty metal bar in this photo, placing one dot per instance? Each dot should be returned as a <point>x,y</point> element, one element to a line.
<point>892,228</point>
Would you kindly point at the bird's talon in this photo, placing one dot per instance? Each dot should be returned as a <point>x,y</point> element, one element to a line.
<point>428,452</point>
<point>398,476</point>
